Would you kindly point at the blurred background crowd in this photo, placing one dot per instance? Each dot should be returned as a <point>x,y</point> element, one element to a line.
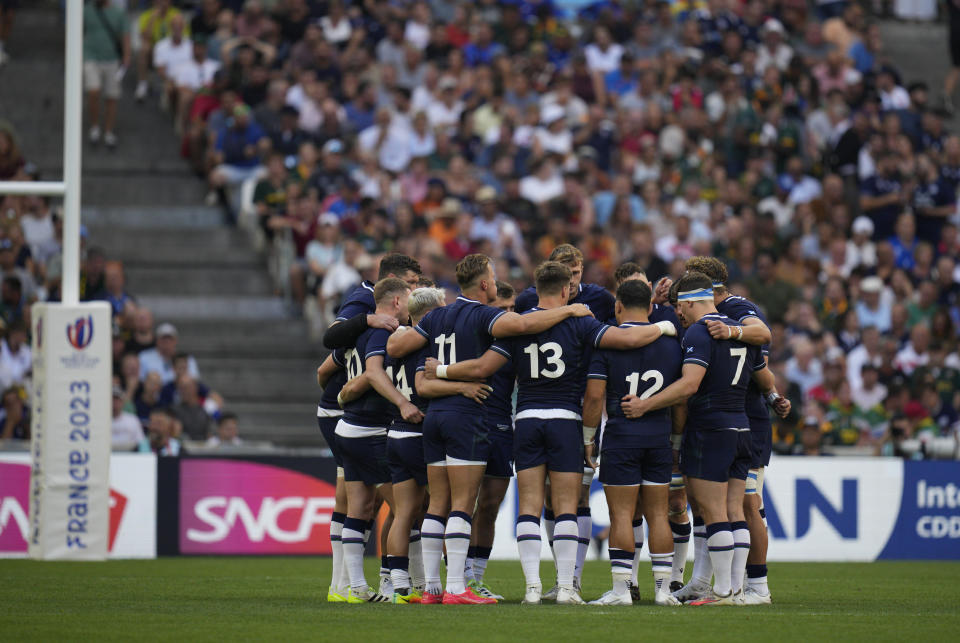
<point>776,135</point>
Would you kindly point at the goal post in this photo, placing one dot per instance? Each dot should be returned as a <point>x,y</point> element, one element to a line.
<point>71,341</point>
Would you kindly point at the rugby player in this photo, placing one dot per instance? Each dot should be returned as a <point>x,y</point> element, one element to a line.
<point>455,435</point>
<point>594,297</point>
<point>716,450</point>
<point>499,471</point>
<point>679,518</point>
<point>754,330</point>
<point>635,451</point>
<point>551,370</point>
<point>361,435</point>
<point>331,376</point>
<point>408,471</point>
<point>356,314</point>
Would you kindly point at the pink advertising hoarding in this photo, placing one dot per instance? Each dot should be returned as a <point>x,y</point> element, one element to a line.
<point>242,507</point>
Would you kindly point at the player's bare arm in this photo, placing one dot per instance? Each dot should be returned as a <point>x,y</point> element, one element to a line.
<point>592,413</point>
<point>767,382</point>
<point>430,388</point>
<point>326,370</point>
<point>468,370</point>
<point>404,341</point>
<point>753,331</point>
<point>636,336</point>
<point>354,389</point>
<point>381,383</point>
<point>513,324</point>
<point>679,391</point>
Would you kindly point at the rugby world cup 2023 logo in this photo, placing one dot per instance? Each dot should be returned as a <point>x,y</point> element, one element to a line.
<point>80,332</point>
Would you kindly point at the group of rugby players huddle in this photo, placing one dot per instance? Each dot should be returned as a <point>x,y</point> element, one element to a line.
<point>418,409</point>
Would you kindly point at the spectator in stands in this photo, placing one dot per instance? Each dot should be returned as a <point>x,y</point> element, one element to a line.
<point>189,409</point>
<point>15,415</point>
<point>129,374</point>
<point>147,397</point>
<point>126,432</point>
<point>154,25</point>
<point>811,438</point>
<point>106,57</point>
<point>16,360</point>
<point>39,231</point>
<point>9,268</point>
<point>12,309</point>
<point>169,394</point>
<point>160,358</point>
<point>228,433</point>
<point>168,54</point>
<point>122,305</point>
<point>917,351</point>
<point>188,77</point>
<point>235,156</point>
<point>142,336</point>
<point>161,433</point>
<point>92,280</point>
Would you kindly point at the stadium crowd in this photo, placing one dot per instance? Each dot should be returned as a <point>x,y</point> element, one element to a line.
<point>777,136</point>
<point>159,399</point>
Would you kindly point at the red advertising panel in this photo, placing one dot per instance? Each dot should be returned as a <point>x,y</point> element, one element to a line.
<point>232,506</point>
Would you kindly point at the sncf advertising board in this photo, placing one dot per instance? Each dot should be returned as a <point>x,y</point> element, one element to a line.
<point>132,505</point>
<point>246,506</point>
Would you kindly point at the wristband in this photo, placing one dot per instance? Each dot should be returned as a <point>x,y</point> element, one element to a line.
<point>442,371</point>
<point>666,328</point>
<point>739,332</point>
<point>772,398</point>
<point>340,401</point>
<point>675,440</point>
<point>588,433</point>
<point>729,332</point>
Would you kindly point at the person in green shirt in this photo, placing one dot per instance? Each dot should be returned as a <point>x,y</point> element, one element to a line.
<point>106,56</point>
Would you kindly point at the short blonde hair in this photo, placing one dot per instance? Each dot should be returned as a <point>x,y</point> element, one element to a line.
<point>423,300</point>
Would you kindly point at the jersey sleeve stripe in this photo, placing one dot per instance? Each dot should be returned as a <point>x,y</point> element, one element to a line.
<point>596,376</point>
<point>694,360</point>
<point>374,354</point>
<point>425,334</point>
<point>599,336</point>
<point>494,321</point>
<point>502,351</point>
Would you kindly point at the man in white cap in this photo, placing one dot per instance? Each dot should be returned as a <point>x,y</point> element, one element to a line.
<point>872,310</point>
<point>861,251</point>
<point>773,50</point>
<point>160,358</point>
<point>553,135</point>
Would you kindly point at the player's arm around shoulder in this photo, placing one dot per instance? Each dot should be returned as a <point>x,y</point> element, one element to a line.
<point>751,330</point>
<point>468,370</point>
<point>405,340</point>
<point>636,336</point>
<point>429,388</point>
<point>381,383</point>
<point>326,370</point>
<point>513,324</point>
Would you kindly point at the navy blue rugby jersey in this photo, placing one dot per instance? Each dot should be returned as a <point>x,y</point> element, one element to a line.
<point>456,333</point>
<point>370,409</point>
<point>596,298</point>
<point>360,300</point>
<point>642,372</point>
<point>499,406</point>
<point>551,366</point>
<point>720,402</point>
<point>335,384</point>
<point>403,373</point>
<point>738,308</point>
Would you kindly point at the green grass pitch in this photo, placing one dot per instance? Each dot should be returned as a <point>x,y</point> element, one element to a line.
<point>189,599</point>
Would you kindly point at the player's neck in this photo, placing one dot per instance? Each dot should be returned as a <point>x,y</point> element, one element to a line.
<point>722,296</point>
<point>632,316</point>
<point>704,308</point>
<point>476,294</point>
<point>548,302</point>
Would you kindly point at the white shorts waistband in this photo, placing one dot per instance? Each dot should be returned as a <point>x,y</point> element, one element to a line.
<point>548,414</point>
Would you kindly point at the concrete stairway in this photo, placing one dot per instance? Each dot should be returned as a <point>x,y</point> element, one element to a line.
<point>142,204</point>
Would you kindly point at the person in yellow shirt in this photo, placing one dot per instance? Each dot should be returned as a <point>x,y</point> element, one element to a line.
<point>153,26</point>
